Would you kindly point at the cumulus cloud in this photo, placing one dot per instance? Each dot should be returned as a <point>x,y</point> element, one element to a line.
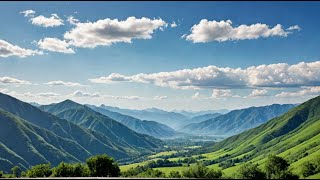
<point>55,45</point>
<point>7,50</point>
<point>160,97</point>
<point>306,91</point>
<point>72,20</point>
<point>109,31</point>
<point>219,93</point>
<point>258,92</point>
<point>173,24</point>
<point>208,31</point>
<point>28,13</point>
<point>52,21</point>
<point>273,75</point>
<point>295,27</point>
<point>84,94</point>
<point>10,80</point>
<point>63,83</point>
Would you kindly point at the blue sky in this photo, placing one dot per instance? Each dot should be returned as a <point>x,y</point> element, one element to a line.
<point>249,38</point>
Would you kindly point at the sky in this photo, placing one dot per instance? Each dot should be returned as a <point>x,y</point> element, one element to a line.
<point>169,55</point>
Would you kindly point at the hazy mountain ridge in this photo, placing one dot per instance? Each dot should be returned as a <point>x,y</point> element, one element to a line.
<point>151,128</point>
<point>237,121</point>
<point>171,119</point>
<point>87,117</point>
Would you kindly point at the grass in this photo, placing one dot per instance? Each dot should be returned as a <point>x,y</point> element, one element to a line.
<point>164,153</point>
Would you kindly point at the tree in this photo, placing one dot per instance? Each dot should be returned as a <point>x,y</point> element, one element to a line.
<point>277,168</point>
<point>41,170</point>
<point>71,170</point>
<point>1,174</point>
<point>63,170</point>
<point>81,170</point>
<point>103,166</point>
<point>250,171</point>
<point>201,171</point>
<point>16,171</point>
<point>174,174</point>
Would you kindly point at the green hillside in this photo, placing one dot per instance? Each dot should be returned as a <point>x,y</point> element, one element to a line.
<point>294,135</point>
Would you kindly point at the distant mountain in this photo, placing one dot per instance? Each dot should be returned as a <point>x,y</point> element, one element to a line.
<point>151,128</point>
<point>192,114</point>
<point>35,104</point>
<point>237,121</point>
<point>201,118</point>
<point>171,119</point>
<point>294,135</point>
<point>115,131</point>
<point>30,136</point>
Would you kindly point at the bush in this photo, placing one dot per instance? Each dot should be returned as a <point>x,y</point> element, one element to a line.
<point>201,171</point>
<point>174,174</point>
<point>103,166</point>
<point>250,171</point>
<point>308,169</point>
<point>151,173</point>
<point>41,170</point>
<point>214,174</point>
<point>1,174</point>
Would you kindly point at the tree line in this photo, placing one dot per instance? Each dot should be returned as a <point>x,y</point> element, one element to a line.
<point>275,167</point>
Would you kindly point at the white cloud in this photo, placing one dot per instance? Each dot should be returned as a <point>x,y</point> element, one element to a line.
<point>160,97</point>
<point>62,83</point>
<point>196,95</point>
<point>208,31</point>
<point>108,31</point>
<point>72,20</point>
<point>84,94</point>
<point>52,21</point>
<point>219,93</point>
<point>306,91</point>
<point>295,27</point>
<point>7,50</point>
<point>28,13</point>
<point>273,75</point>
<point>55,45</point>
<point>10,80</point>
<point>258,92</point>
<point>173,24</point>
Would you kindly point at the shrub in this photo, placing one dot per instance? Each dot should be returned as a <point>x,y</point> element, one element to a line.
<point>41,170</point>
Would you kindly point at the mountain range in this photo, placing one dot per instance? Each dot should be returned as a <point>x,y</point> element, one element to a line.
<point>151,128</point>
<point>30,136</point>
<point>237,121</point>
<point>171,119</point>
<point>294,135</point>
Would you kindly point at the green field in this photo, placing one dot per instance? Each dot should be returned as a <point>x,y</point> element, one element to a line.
<point>165,153</point>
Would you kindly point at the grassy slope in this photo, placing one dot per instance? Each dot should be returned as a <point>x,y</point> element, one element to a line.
<point>290,135</point>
